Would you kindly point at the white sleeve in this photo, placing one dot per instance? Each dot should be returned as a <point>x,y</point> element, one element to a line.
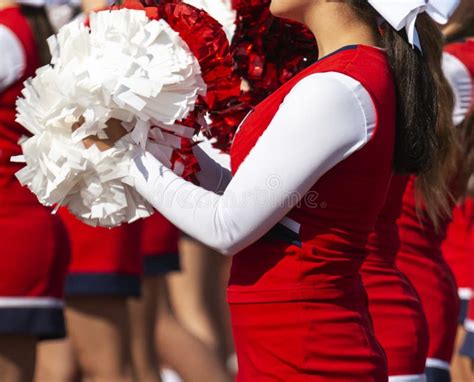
<point>460,80</point>
<point>323,120</point>
<point>12,58</point>
<point>215,172</point>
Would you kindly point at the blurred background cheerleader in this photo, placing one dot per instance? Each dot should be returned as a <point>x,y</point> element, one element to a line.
<point>35,251</point>
<point>304,274</point>
<point>420,256</point>
<point>458,248</point>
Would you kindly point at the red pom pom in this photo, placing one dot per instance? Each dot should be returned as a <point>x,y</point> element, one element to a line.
<point>207,41</point>
<point>268,51</point>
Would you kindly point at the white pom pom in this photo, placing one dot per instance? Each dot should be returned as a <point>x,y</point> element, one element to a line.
<point>221,10</point>
<point>126,67</point>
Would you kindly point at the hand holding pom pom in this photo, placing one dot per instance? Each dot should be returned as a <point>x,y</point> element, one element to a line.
<point>131,81</point>
<point>114,132</point>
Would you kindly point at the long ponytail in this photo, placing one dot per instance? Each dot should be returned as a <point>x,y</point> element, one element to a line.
<point>425,139</point>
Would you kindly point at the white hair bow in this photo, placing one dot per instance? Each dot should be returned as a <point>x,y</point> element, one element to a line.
<point>403,13</point>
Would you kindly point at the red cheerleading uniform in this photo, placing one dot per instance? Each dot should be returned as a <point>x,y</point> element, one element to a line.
<point>159,246</point>
<point>421,260</point>
<point>463,51</point>
<point>35,251</point>
<point>299,311</point>
<point>397,314</point>
<point>103,261</point>
<point>458,250</point>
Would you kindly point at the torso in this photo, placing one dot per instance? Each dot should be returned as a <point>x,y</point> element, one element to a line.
<point>338,213</point>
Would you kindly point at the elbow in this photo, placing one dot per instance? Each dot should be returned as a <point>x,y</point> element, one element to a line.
<point>224,246</point>
<point>233,239</point>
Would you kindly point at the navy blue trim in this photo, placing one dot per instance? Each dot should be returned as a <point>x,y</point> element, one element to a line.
<point>463,308</point>
<point>157,265</point>
<point>87,284</point>
<point>280,232</point>
<point>467,348</point>
<point>343,49</point>
<point>44,323</point>
<point>434,374</point>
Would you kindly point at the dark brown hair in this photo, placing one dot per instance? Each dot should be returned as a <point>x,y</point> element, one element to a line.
<point>41,28</point>
<point>463,20</point>
<point>425,141</point>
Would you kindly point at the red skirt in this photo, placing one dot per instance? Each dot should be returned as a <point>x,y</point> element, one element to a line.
<point>305,341</point>
<point>435,284</point>
<point>103,261</point>
<point>399,320</point>
<point>34,256</point>
<point>159,246</point>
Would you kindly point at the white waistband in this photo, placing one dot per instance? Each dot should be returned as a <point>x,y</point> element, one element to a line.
<point>30,302</point>
<point>465,293</point>
<point>469,325</point>
<point>407,378</point>
<point>437,364</point>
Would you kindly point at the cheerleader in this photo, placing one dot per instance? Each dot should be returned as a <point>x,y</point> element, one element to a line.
<point>34,252</point>
<point>420,259</point>
<point>397,314</point>
<point>311,166</point>
<point>399,320</point>
<point>420,256</point>
<point>458,247</point>
<point>458,250</point>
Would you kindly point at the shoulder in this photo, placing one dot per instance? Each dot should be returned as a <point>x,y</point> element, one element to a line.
<point>464,52</point>
<point>12,59</point>
<point>332,93</point>
<point>459,78</point>
<point>335,102</point>
<point>453,66</point>
<point>370,67</point>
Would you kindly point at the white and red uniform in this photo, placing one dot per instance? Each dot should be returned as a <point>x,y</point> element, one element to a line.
<point>396,310</point>
<point>159,246</point>
<point>458,248</point>
<point>34,248</point>
<point>421,260</point>
<point>103,261</point>
<point>397,314</point>
<point>311,166</point>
